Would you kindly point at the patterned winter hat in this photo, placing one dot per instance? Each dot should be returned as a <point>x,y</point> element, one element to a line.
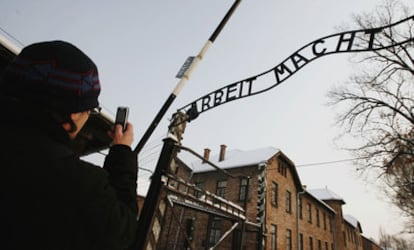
<point>55,75</point>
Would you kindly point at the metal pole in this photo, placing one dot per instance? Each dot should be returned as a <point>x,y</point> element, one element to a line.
<point>184,78</point>
<point>146,216</point>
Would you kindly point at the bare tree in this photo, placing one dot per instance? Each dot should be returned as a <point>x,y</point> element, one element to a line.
<point>378,105</point>
<point>387,241</point>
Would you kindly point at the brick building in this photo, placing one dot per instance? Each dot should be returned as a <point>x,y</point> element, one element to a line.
<point>369,244</point>
<point>280,213</point>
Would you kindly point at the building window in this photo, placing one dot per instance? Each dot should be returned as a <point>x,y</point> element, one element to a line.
<point>300,241</point>
<point>273,237</point>
<point>330,224</point>
<point>324,221</point>
<point>221,188</point>
<point>318,223</point>
<point>319,245</point>
<point>215,231</point>
<point>300,208</point>
<point>197,192</point>
<point>326,246</point>
<point>282,167</point>
<point>344,235</point>
<point>243,189</point>
<point>288,202</point>
<point>310,243</point>
<point>354,237</point>
<point>288,239</point>
<point>309,213</point>
<point>275,190</point>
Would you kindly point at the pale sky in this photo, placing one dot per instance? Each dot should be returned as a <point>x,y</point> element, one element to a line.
<point>139,47</point>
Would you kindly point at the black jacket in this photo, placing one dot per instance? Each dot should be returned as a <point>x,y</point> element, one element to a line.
<point>50,199</point>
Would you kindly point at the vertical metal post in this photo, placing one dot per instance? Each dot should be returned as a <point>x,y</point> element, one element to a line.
<point>146,217</point>
<point>168,153</point>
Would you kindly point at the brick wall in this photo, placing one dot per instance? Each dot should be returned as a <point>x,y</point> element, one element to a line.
<point>326,229</point>
<point>370,245</point>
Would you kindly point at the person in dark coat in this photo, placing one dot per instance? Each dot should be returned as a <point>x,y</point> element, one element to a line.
<point>51,199</point>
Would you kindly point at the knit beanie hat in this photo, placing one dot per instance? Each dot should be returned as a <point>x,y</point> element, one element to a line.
<point>55,75</point>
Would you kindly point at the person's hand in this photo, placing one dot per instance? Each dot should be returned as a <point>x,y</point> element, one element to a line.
<point>120,137</point>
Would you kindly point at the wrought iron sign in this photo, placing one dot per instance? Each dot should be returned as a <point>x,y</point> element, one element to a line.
<point>344,42</point>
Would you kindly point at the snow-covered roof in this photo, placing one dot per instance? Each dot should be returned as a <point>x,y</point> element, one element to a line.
<point>321,201</point>
<point>236,158</point>
<point>326,194</point>
<point>351,220</point>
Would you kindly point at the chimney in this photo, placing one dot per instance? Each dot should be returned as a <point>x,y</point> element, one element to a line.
<point>206,155</point>
<point>222,152</point>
